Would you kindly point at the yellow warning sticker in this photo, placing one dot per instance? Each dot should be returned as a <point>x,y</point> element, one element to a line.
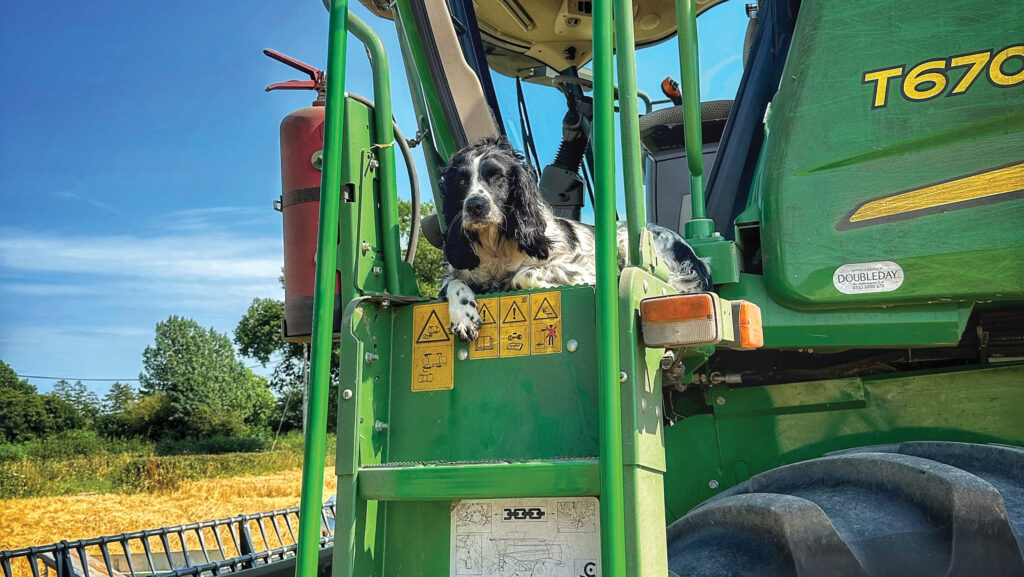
<point>486,345</point>
<point>546,323</point>
<point>432,348</point>
<point>514,328</point>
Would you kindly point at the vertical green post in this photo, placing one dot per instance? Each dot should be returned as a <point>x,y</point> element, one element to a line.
<point>314,450</point>
<point>613,533</point>
<point>430,154</point>
<point>629,120</point>
<point>384,139</point>
<point>689,64</point>
<point>407,28</point>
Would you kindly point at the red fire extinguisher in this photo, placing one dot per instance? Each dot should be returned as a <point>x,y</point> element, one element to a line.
<point>302,143</point>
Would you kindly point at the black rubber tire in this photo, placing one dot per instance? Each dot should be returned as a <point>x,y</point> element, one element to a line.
<point>915,509</point>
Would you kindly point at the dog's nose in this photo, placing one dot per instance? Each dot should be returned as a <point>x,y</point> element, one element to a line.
<point>476,205</point>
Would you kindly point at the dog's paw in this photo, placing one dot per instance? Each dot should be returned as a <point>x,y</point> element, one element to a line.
<point>465,319</point>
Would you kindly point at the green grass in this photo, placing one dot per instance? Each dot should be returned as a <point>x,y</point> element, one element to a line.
<point>34,473</point>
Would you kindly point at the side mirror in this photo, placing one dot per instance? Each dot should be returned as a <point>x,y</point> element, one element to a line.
<point>430,228</point>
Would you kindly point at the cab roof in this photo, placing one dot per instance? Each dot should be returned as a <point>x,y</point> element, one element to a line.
<point>520,34</point>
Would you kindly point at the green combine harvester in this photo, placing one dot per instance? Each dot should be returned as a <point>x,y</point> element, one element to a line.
<point>849,400</point>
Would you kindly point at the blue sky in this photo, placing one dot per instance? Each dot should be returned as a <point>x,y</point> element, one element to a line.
<point>139,159</point>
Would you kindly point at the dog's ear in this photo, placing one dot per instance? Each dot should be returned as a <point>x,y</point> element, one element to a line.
<point>457,249</point>
<point>525,217</point>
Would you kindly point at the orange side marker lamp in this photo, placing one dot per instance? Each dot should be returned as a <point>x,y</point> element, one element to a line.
<point>700,319</point>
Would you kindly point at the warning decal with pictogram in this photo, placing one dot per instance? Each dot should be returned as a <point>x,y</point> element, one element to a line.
<point>486,344</point>
<point>545,311</point>
<point>513,314</point>
<point>432,350</point>
<point>433,331</point>
<point>514,331</point>
<point>546,326</point>
<point>484,306</point>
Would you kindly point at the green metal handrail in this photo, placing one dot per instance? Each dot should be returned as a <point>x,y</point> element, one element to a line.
<point>689,69</point>
<point>315,448</point>
<point>613,533</point>
<point>384,144</point>
<point>629,120</point>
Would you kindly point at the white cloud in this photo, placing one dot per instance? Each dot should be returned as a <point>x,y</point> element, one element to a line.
<point>191,257</point>
<point>85,305</point>
<point>68,195</point>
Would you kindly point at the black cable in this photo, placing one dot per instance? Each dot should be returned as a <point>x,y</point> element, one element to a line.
<point>529,146</point>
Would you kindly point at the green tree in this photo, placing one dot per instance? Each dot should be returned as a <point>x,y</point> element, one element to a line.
<point>61,415</point>
<point>27,415</point>
<point>429,264</point>
<point>80,397</point>
<point>22,414</point>
<point>258,336</point>
<point>119,398</point>
<point>207,391</point>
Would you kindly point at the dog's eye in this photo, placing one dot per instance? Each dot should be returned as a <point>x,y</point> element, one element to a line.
<point>497,177</point>
<point>462,182</point>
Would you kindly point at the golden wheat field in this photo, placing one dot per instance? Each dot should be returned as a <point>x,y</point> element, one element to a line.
<point>43,520</point>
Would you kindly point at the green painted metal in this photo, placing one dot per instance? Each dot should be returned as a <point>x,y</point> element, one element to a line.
<point>533,426</point>
<point>613,555</point>
<point>689,70</point>
<point>359,271</point>
<point>511,409</point>
<point>562,478</point>
<point>359,543</point>
<point>629,120</point>
<point>430,155</point>
<point>724,255</point>
<point>828,151</point>
<point>754,429</point>
<point>642,430</point>
<point>936,324</point>
<point>510,427</point>
<point>440,131</point>
<point>385,151</point>
<point>314,449</point>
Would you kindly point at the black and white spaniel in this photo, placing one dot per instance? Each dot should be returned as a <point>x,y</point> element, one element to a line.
<point>502,235</point>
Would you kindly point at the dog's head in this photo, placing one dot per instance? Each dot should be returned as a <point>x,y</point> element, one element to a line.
<point>491,193</point>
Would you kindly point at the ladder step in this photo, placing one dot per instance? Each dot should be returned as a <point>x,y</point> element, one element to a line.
<point>492,480</point>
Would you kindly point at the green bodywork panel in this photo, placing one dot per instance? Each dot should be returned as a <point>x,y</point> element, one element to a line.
<point>828,152</point>
<point>510,427</point>
<point>532,407</point>
<point>910,325</point>
<point>759,428</point>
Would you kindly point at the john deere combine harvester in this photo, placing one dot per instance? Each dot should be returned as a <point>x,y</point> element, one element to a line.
<point>849,400</point>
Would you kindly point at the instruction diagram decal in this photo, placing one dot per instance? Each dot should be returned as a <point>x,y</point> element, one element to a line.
<point>432,350</point>
<point>549,537</point>
<point>486,344</point>
<point>514,329</point>
<point>546,325</point>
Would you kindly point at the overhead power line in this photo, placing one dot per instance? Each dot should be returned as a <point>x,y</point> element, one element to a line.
<point>69,378</point>
<point>81,379</point>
